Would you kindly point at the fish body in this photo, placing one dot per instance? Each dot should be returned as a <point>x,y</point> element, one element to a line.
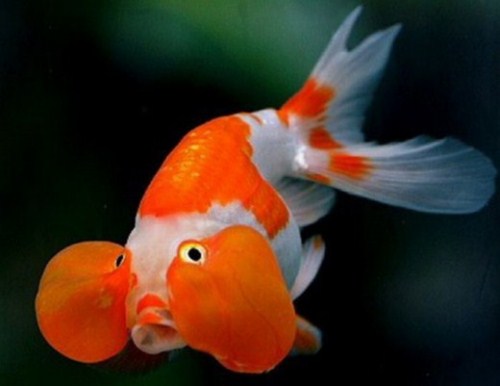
<point>209,191</point>
<point>216,259</point>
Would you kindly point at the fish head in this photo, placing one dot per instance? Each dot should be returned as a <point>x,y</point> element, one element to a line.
<point>91,304</point>
<point>223,294</point>
<point>153,244</point>
<point>80,305</point>
<point>228,298</point>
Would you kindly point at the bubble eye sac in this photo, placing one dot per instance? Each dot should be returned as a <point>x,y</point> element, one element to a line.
<point>192,252</point>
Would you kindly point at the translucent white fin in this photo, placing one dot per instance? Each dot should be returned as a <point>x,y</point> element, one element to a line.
<point>441,176</point>
<point>354,75</point>
<point>342,84</point>
<point>326,116</point>
<point>312,257</point>
<point>307,339</point>
<point>308,201</point>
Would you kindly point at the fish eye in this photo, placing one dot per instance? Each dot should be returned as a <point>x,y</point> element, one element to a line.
<point>119,260</point>
<point>192,252</point>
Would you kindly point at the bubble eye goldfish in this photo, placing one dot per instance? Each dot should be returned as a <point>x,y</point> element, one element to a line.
<point>215,259</point>
<point>227,292</point>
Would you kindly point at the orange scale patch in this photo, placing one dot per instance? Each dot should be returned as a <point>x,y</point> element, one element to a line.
<point>212,165</point>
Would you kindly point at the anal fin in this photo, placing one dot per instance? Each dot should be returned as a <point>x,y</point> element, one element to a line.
<point>307,339</point>
<point>312,257</point>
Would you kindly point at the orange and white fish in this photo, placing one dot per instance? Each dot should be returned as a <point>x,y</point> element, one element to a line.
<point>216,259</point>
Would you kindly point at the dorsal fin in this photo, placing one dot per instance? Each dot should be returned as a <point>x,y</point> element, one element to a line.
<point>333,100</point>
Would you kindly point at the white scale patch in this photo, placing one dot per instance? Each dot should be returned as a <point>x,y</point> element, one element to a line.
<point>154,242</point>
<point>273,147</point>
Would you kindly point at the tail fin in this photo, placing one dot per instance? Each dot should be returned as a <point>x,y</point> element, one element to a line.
<point>440,176</point>
<point>329,109</point>
<point>326,115</point>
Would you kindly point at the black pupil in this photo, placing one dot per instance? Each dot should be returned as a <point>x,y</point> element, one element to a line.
<point>119,260</point>
<point>194,254</point>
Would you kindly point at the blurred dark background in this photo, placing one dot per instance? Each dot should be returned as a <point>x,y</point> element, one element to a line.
<point>94,94</point>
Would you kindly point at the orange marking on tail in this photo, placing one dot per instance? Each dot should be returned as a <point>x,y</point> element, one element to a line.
<point>311,101</point>
<point>212,165</point>
<point>320,138</point>
<point>352,166</point>
<point>319,178</point>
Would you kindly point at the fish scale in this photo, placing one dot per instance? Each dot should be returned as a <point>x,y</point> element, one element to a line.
<point>189,183</point>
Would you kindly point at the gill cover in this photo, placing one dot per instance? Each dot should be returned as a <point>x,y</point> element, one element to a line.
<point>80,305</point>
<point>228,298</point>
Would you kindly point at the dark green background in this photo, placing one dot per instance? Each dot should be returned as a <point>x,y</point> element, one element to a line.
<point>94,94</point>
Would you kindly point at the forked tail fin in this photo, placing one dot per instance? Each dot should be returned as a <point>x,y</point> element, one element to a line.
<point>329,109</point>
<point>440,176</point>
<point>326,116</point>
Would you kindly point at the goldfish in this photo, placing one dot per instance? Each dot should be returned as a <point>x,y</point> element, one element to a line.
<point>216,259</point>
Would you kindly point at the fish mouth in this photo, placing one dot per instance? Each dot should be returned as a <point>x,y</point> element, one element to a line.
<point>156,332</point>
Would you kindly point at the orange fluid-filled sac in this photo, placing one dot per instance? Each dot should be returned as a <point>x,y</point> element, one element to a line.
<point>80,305</point>
<point>228,298</point>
